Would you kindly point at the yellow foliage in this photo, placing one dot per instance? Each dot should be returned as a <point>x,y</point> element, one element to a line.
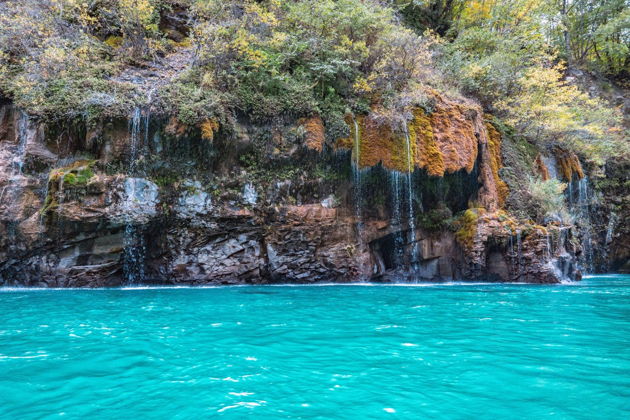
<point>361,85</point>
<point>547,107</point>
<point>265,16</point>
<point>242,43</point>
<point>137,11</point>
<point>114,41</point>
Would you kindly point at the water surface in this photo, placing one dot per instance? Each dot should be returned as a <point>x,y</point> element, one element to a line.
<point>352,352</point>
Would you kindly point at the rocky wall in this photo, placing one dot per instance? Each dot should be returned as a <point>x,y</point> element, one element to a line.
<point>109,206</point>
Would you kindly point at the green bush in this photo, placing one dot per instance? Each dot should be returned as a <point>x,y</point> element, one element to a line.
<point>547,200</point>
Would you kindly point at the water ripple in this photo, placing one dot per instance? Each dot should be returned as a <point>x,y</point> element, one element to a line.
<point>440,351</point>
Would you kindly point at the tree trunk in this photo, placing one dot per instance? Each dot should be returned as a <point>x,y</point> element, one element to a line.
<point>565,34</point>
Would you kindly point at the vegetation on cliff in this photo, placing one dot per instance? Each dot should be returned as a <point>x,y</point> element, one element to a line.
<point>421,66</point>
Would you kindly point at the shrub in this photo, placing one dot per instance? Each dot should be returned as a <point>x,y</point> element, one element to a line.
<point>547,200</point>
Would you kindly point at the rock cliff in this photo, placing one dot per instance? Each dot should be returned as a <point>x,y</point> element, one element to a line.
<point>149,200</point>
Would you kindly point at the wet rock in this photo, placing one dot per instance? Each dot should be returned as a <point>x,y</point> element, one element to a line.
<point>64,219</point>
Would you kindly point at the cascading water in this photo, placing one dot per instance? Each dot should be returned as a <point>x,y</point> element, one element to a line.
<point>411,215</point>
<point>519,249</point>
<point>550,163</point>
<point>134,254</point>
<point>610,229</point>
<point>14,186</point>
<point>23,126</point>
<point>396,221</point>
<point>548,250</point>
<point>356,176</point>
<point>581,209</point>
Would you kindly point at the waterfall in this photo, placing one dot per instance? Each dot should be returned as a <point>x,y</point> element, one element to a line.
<point>581,208</point>
<point>396,221</point>
<point>15,185</point>
<point>411,217</point>
<point>548,251</point>
<point>584,211</point>
<point>23,124</point>
<point>583,192</point>
<point>134,253</point>
<point>610,229</point>
<point>519,248</point>
<point>356,176</point>
<point>550,163</point>
<point>134,130</point>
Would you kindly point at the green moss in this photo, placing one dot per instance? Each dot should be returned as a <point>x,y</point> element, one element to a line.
<point>81,177</point>
<point>165,180</point>
<point>49,204</point>
<point>76,175</point>
<point>467,226</point>
<point>114,41</point>
<point>435,220</point>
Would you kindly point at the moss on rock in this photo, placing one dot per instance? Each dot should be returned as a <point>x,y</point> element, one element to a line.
<point>496,162</point>
<point>568,164</point>
<point>466,226</point>
<point>428,154</point>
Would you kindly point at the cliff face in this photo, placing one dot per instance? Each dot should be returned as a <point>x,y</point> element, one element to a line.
<point>151,201</point>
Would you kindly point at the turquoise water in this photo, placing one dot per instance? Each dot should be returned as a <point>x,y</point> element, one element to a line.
<point>350,352</point>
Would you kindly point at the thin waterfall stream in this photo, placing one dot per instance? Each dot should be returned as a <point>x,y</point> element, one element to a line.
<point>134,254</point>
<point>396,218</point>
<point>413,258</point>
<point>356,176</point>
<point>23,124</point>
